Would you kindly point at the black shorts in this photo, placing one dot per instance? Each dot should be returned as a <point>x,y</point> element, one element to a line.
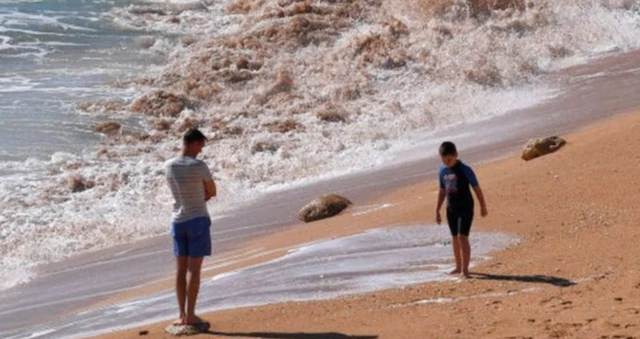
<point>460,222</point>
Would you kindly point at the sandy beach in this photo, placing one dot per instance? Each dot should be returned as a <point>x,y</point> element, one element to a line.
<point>301,99</point>
<point>572,274</point>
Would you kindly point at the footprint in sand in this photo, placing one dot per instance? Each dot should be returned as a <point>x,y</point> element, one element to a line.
<point>555,302</point>
<point>561,330</point>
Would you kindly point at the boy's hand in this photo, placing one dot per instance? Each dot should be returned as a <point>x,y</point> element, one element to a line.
<point>441,195</point>
<point>484,212</point>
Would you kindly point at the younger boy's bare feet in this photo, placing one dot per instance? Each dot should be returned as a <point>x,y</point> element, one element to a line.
<point>456,271</point>
<point>179,321</point>
<point>465,275</point>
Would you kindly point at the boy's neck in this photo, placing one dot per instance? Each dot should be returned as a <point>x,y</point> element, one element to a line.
<point>186,153</point>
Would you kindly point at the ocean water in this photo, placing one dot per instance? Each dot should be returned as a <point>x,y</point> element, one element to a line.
<point>289,92</point>
<point>54,54</point>
<point>375,260</point>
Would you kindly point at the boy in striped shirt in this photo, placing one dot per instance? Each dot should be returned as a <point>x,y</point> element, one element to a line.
<point>192,186</point>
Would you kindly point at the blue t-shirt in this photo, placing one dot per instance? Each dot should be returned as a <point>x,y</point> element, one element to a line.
<point>457,182</point>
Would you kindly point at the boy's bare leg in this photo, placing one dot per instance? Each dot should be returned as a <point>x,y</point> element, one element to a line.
<point>193,287</point>
<point>466,255</point>
<point>181,287</point>
<point>456,253</point>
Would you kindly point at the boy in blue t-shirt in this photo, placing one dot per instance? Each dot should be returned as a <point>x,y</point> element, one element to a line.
<point>456,178</point>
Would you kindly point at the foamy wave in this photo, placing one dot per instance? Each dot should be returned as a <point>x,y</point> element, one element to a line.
<point>52,24</point>
<point>174,17</point>
<point>16,84</point>
<point>353,88</point>
<point>13,271</point>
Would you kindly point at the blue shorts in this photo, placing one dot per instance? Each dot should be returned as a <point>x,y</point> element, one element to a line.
<point>192,238</point>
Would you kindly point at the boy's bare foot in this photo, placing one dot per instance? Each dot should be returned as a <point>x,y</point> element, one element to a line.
<point>179,321</point>
<point>465,275</point>
<point>456,271</point>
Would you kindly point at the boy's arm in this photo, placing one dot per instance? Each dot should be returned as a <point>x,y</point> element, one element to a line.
<point>473,181</point>
<point>441,195</point>
<point>209,189</point>
<point>483,205</point>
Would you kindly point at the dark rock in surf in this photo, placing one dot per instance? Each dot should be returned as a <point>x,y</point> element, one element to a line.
<point>77,183</point>
<point>332,115</point>
<point>109,127</point>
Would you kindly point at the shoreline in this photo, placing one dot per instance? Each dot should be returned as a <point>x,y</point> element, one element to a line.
<point>518,287</point>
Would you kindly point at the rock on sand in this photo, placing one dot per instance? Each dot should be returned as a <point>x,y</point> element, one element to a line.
<point>539,147</point>
<point>323,207</point>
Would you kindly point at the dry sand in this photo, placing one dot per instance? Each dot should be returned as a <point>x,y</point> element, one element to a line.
<point>574,273</point>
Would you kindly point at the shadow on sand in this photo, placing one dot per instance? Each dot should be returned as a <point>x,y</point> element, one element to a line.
<point>275,335</point>
<point>541,279</point>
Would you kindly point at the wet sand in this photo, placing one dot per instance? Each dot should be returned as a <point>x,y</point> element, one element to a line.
<point>573,274</point>
<point>81,282</point>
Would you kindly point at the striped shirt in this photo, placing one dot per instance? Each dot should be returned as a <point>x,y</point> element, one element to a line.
<point>186,177</point>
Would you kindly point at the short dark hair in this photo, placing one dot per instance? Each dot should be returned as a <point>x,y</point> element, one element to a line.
<point>448,148</point>
<point>193,135</point>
